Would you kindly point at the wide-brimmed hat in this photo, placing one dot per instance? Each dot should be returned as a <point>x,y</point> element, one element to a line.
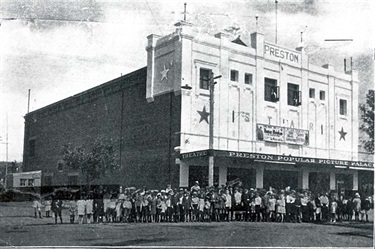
<point>357,195</point>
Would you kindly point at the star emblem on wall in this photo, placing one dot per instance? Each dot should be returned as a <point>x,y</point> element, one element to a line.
<point>204,115</point>
<point>342,134</point>
<point>164,73</point>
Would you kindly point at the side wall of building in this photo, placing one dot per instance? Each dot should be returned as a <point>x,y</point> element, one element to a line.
<point>105,112</point>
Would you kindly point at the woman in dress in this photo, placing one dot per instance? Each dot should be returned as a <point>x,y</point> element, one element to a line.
<point>281,208</point>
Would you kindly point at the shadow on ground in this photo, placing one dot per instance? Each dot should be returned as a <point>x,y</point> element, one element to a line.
<point>355,234</point>
<point>134,242</point>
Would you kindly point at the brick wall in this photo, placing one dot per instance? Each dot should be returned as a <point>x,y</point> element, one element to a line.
<point>148,131</point>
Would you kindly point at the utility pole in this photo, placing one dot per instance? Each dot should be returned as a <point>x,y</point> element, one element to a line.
<point>276,21</point>
<point>6,156</point>
<point>211,132</point>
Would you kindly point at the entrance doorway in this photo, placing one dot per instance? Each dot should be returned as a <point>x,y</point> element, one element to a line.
<point>200,174</point>
<point>246,176</point>
<point>280,179</point>
<point>318,182</point>
<point>344,182</point>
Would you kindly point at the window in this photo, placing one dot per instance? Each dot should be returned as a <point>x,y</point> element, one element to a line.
<point>248,79</point>
<point>234,75</point>
<point>30,182</point>
<point>312,93</point>
<point>294,95</point>
<point>322,95</point>
<point>271,90</point>
<point>22,182</point>
<point>204,78</point>
<point>31,147</point>
<point>343,107</point>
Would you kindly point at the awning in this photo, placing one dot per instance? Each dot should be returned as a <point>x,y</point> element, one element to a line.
<point>259,157</point>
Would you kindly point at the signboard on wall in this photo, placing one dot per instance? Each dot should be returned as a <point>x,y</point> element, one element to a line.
<point>278,134</point>
<point>285,55</point>
<point>279,158</point>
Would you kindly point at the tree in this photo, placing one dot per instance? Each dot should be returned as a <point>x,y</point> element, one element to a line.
<point>368,121</point>
<point>93,164</point>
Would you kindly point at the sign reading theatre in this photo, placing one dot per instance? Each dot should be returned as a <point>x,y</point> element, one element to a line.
<point>281,54</point>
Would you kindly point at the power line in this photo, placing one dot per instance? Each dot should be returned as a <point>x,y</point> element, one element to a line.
<point>153,16</point>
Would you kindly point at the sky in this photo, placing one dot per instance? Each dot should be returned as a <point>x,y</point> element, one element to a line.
<point>59,48</point>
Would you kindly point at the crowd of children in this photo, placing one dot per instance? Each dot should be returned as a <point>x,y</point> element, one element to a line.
<point>216,204</point>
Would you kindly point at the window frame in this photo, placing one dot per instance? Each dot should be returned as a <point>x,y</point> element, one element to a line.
<point>23,182</point>
<point>343,107</point>
<point>322,95</point>
<point>236,75</point>
<point>250,75</point>
<point>312,93</point>
<point>30,182</point>
<point>273,88</point>
<point>294,95</point>
<point>204,83</point>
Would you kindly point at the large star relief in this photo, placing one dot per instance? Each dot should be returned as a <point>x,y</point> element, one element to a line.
<point>204,115</point>
<point>342,134</point>
<point>164,73</point>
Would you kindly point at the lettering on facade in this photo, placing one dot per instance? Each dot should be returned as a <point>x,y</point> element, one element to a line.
<point>298,159</point>
<point>281,53</point>
<point>279,158</point>
<point>194,154</point>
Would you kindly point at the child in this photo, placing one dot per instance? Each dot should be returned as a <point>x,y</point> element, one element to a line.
<point>153,207</point>
<point>194,206</point>
<point>89,209</point>
<point>333,209</point>
<point>168,203</point>
<point>37,208</point>
<point>281,208</point>
<point>118,210</point>
<point>207,209</point>
<point>186,202</point>
<point>163,209</point>
<point>272,207</point>
<point>127,206</point>
<point>145,210</point>
<point>72,210</point>
<point>81,204</point>
<point>47,207</point>
<point>201,207</point>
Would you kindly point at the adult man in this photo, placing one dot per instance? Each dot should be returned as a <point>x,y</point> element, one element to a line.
<point>37,207</point>
<point>245,198</point>
<point>57,208</point>
<point>357,205</point>
<point>324,201</point>
<point>237,204</point>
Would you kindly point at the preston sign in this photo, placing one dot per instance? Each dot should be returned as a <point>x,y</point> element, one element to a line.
<point>281,53</point>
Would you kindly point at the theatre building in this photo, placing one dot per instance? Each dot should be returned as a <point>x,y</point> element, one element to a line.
<point>278,120</point>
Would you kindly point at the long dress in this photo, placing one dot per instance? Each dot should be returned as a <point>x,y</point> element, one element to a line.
<point>281,206</point>
<point>89,206</point>
<point>153,206</point>
<point>81,207</point>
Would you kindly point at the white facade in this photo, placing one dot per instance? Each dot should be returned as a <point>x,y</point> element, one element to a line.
<point>330,121</point>
<point>27,179</point>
